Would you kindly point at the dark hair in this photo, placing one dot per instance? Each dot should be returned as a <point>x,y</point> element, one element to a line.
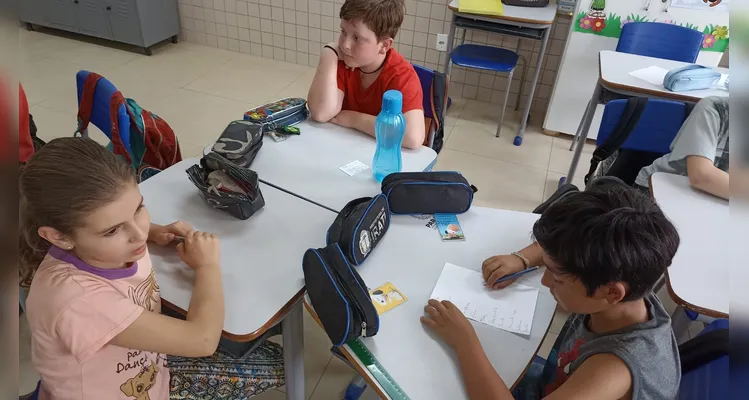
<point>609,233</point>
<point>383,17</point>
<point>62,182</point>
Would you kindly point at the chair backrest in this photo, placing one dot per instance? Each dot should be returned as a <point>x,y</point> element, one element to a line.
<point>426,76</point>
<point>711,380</point>
<point>656,129</point>
<point>660,40</point>
<point>100,115</point>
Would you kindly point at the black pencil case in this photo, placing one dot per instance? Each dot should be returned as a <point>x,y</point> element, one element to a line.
<point>360,226</point>
<point>428,192</point>
<point>239,195</point>
<point>240,142</point>
<point>339,295</point>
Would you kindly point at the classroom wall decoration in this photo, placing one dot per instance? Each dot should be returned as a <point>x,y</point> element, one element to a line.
<point>703,5</point>
<point>596,21</point>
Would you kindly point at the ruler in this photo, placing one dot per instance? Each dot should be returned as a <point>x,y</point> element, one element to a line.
<point>374,367</point>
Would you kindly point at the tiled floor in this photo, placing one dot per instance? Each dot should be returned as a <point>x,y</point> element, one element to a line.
<point>199,89</point>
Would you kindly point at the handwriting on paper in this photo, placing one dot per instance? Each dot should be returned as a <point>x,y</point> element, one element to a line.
<point>510,309</point>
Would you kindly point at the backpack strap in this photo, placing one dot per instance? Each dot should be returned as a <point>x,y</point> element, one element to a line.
<point>438,103</point>
<point>703,349</point>
<point>620,134</point>
<point>86,106</point>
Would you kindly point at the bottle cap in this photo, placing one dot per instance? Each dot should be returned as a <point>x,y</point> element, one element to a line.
<point>392,101</point>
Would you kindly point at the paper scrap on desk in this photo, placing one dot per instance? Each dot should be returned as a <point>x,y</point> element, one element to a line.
<point>653,75</point>
<point>354,167</point>
<point>510,309</point>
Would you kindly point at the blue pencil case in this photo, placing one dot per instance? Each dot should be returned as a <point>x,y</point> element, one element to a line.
<point>691,77</point>
<point>280,113</point>
<point>445,192</point>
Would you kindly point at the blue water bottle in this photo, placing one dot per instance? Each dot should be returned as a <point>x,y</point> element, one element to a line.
<point>390,126</point>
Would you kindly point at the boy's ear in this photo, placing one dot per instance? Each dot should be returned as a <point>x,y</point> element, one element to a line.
<point>615,292</point>
<point>54,236</point>
<point>386,45</point>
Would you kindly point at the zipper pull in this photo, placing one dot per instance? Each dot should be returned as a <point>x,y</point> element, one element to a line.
<point>364,329</point>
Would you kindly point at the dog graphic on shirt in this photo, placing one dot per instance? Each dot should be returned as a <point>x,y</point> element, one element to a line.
<point>139,385</point>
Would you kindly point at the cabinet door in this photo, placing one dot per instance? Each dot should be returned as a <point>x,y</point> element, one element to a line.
<point>62,14</point>
<point>33,11</point>
<point>125,23</point>
<point>93,18</point>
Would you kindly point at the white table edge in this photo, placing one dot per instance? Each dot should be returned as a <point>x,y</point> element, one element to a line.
<point>671,293</point>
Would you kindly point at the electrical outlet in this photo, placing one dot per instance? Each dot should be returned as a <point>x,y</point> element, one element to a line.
<point>441,42</point>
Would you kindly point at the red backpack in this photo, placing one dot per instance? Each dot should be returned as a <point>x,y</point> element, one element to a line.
<point>153,144</point>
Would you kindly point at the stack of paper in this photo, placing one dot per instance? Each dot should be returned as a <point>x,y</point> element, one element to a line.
<point>652,75</point>
<point>510,309</point>
<point>482,7</point>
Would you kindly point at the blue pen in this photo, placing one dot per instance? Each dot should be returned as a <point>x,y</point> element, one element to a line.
<point>515,275</point>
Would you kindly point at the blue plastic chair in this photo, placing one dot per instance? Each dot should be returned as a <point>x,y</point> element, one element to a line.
<point>33,395</point>
<point>100,111</point>
<point>656,129</point>
<point>489,59</point>
<point>660,40</point>
<point>710,381</point>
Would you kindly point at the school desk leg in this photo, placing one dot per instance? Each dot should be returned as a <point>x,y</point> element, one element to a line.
<point>292,327</point>
<point>450,40</point>
<point>536,74</point>
<point>582,131</point>
<point>680,323</point>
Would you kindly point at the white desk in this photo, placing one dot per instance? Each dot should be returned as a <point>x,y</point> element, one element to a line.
<point>698,278</point>
<point>260,259</point>
<point>411,257</point>
<point>308,165</point>
<point>522,22</point>
<point>614,77</point>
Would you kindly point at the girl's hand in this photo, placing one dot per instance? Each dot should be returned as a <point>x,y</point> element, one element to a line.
<point>164,235</point>
<point>200,250</point>
<point>499,266</point>
<point>449,323</point>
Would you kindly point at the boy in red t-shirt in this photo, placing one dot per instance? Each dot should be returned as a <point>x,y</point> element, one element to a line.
<point>353,74</point>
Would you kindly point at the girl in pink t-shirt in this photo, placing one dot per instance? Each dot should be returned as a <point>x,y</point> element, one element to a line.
<point>94,306</point>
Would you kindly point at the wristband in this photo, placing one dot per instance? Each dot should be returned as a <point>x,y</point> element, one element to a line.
<point>331,48</point>
<point>522,257</point>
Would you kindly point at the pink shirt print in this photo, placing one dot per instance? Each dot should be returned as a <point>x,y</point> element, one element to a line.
<point>74,310</point>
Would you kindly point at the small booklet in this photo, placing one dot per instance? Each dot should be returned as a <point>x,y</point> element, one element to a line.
<point>449,227</point>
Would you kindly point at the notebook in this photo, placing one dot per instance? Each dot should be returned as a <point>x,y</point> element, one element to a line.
<point>483,7</point>
<point>510,309</point>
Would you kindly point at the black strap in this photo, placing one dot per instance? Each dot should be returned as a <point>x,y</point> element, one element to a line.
<point>703,349</point>
<point>627,123</point>
<point>439,104</point>
<point>331,48</point>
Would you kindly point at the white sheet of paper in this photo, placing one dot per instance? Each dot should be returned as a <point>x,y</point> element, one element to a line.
<point>510,309</point>
<point>354,167</point>
<point>653,75</point>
